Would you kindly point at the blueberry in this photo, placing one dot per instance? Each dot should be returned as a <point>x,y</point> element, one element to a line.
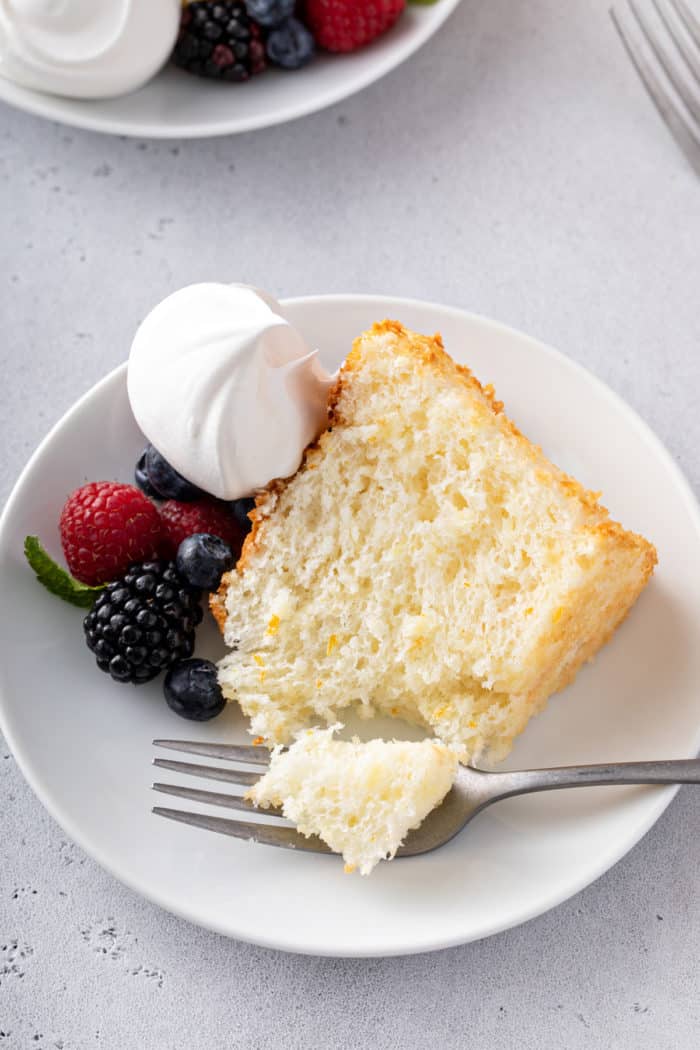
<point>141,477</point>
<point>192,690</point>
<point>202,560</point>
<point>166,480</point>
<point>269,12</point>
<point>290,45</point>
<point>240,508</point>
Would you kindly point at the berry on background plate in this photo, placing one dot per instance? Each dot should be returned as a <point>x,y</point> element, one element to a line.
<point>290,45</point>
<point>105,526</point>
<point>144,622</point>
<point>270,12</point>
<point>181,520</point>
<point>219,40</point>
<point>346,25</point>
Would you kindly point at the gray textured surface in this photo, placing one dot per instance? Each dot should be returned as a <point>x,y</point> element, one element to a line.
<point>516,168</point>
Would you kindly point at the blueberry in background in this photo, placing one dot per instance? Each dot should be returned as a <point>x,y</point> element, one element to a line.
<point>241,508</point>
<point>269,12</point>
<point>192,690</point>
<point>202,559</point>
<point>141,477</point>
<point>290,45</point>
<point>166,480</point>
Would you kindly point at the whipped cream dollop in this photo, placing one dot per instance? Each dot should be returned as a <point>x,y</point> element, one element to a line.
<point>226,388</point>
<point>86,48</point>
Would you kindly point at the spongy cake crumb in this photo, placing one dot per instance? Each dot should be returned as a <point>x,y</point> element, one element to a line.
<point>361,798</point>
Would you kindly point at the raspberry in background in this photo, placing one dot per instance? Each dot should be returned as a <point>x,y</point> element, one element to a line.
<point>181,520</point>
<point>345,25</point>
<point>105,526</point>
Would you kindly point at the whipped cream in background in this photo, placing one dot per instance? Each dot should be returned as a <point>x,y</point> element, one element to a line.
<point>86,48</point>
<point>225,388</point>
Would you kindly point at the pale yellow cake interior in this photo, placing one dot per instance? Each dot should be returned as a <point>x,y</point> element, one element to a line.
<point>362,799</point>
<point>426,561</point>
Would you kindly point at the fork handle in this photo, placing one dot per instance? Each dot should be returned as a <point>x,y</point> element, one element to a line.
<point>522,782</point>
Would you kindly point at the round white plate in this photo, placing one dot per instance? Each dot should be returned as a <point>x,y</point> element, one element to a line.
<point>177,105</point>
<point>84,742</point>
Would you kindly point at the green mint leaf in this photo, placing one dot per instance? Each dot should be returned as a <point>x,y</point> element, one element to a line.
<point>56,579</point>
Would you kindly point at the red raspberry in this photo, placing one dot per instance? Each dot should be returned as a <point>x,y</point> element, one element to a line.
<point>345,25</point>
<point>105,527</point>
<point>181,520</point>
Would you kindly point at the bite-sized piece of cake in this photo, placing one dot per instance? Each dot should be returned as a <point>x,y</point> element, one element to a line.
<point>361,798</point>
<point>426,561</point>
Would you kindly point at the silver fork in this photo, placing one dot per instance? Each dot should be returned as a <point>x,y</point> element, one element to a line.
<point>473,790</point>
<point>667,58</point>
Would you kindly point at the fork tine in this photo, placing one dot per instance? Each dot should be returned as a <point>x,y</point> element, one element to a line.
<point>255,756</point>
<point>684,133</point>
<point>266,834</point>
<point>688,19</point>
<point>214,798</point>
<point>690,54</point>
<point>669,66</point>
<point>231,776</point>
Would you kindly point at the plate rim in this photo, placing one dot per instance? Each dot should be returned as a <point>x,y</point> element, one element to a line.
<point>656,805</point>
<point>40,104</point>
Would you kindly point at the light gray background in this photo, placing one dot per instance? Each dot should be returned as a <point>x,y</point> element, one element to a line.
<point>514,167</point>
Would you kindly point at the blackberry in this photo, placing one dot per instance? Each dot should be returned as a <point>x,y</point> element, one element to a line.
<point>219,40</point>
<point>143,622</point>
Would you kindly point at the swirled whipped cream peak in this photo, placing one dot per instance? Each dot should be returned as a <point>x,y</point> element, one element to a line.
<point>86,48</point>
<point>226,388</point>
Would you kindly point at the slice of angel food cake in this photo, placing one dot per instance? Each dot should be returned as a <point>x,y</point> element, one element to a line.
<point>426,561</point>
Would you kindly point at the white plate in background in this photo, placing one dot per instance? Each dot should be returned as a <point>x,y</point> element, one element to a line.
<point>177,105</point>
<point>84,742</point>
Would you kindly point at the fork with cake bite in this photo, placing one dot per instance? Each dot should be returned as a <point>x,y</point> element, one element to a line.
<point>472,791</point>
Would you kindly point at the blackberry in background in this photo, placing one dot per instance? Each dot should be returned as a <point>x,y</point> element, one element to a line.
<point>220,41</point>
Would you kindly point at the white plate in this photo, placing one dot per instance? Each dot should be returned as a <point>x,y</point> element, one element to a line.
<point>177,105</point>
<point>84,743</point>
